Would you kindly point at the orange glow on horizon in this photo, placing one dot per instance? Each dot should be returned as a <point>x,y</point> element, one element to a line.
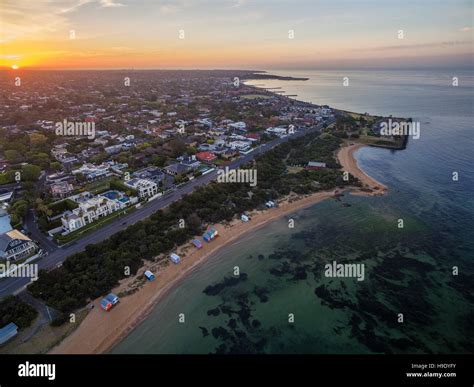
<point>101,34</point>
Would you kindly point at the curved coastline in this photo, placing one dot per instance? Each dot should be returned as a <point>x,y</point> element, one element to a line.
<point>100,331</point>
<point>349,163</point>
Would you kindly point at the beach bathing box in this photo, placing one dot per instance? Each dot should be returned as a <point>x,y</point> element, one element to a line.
<point>197,243</point>
<point>175,258</point>
<point>210,234</point>
<point>112,298</point>
<point>149,275</point>
<point>105,304</point>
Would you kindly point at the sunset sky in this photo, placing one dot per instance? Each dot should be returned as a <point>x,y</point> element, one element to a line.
<point>61,34</point>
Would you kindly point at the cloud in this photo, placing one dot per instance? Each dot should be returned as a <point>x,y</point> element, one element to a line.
<point>22,18</point>
<point>34,19</point>
<point>74,7</point>
<point>110,3</point>
<point>466,29</point>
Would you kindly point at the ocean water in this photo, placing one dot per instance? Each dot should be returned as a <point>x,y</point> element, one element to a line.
<point>283,303</point>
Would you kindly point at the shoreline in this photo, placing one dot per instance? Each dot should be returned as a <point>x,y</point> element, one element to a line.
<point>100,331</point>
<point>349,163</point>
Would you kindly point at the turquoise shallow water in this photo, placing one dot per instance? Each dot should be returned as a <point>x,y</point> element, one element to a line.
<point>407,270</point>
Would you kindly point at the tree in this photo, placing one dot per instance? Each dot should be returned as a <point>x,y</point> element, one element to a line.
<point>178,146</point>
<point>41,159</point>
<point>55,165</point>
<point>7,177</point>
<point>30,172</point>
<point>18,211</point>
<point>37,139</point>
<point>158,160</point>
<point>13,156</point>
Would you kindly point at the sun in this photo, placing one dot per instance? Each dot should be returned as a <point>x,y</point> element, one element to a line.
<point>15,67</point>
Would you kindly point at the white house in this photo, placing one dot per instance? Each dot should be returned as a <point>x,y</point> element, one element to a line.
<point>144,187</point>
<point>239,145</point>
<point>88,211</point>
<point>240,125</point>
<point>280,132</point>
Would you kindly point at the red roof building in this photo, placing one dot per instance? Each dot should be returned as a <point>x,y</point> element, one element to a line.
<point>254,136</point>
<point>206,157</point>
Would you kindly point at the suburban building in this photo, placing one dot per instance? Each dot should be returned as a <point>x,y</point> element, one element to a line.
<point>152,173</point>
<point>113,149</point>
<point>177,169</point>
<point>315,165</point>
<point>145,188</point>
<point>206,157</point>
<point>238,126</point>
<point>280,132</point>
<point>190,161</point>
<point>92,171</point>
<point>14,245</point>
<point>239,145</point>
<point>61,189</point>
<point>91,208</point>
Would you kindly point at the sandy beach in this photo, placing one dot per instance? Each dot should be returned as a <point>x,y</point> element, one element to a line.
<point>349,163</point>
<point>101,330</point>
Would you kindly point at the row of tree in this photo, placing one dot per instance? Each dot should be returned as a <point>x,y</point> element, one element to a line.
<point>95,271</point>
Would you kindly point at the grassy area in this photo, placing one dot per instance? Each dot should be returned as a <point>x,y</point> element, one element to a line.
<point>44,340</point>
<point>294,169</point>
<point>60,206</point>
<point>380,141</point>
<point>357,116</point>
<point>99,186</point>
<point>92,226</point>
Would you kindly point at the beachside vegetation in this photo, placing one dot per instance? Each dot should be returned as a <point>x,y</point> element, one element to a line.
<point>94,272</point>
<point>13,309</point>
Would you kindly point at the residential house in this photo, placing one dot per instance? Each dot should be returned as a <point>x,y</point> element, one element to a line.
<point>206,157</point>
<point>113,149</point>
<point>152,173</point>
<point>15,245</point>
<point>242,126</point>
<point>90,208</point>
<point>177,169</point>
<point>61,189</point>
<point>145,188</point>
<point>92,171</point>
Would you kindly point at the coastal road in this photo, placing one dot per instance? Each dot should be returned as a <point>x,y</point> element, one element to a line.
<point>56,255</point>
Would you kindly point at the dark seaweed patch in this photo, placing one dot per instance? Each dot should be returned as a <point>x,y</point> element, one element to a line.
<point>214,290</point>
<point>213,312</point>
<point>261,293</point>
<point>204,331</point>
